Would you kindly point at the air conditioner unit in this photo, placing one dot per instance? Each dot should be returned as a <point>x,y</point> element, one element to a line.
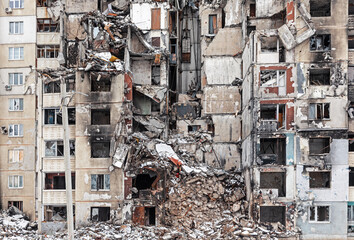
<point>8,87</point>
<point>8,10</point>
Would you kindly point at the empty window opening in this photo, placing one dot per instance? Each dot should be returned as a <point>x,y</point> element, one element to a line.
<point>144,181</point>
<point>100,117</point>
<point>320,76</point>
<point>100,149</point>
<point>319,214</point>
<point>173,51</point>
<point>155,42</point>
<point>273,78</point>
<point>351,142</point>
<point>351,40</point>
<point>100,182</point>
<point>172,27</point>
<point>172,79</point>
<point>351,7</point>
<point>70,85</point>
<point>17,204</point>
<point>52,87</point>
<point>320,8</point>
<point>99,214</point>
<point>319,111</point>
<point>269,44</point>
<point>194,128</point>
<point>319,145</point>
<point>273,114</point>
<point>272,151</point>
<point>150,216</point>
<point>57,181</point>
<point>250,29</point>
<point>253,10</point>
<point>55,213</point>
<point>155,107</point>
<point>351,176</point>
<point>273,180</point>
<point>272,214</point>
<point>320,42</point>
<point>155,75</point>
<point>320,179</point>
<point>100,82</point>
<point>213,26</point>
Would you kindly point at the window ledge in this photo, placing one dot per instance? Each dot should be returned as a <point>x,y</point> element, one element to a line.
<point>16,59</point>
<point>16,136</point>
<point>16,110</point>
<point>101,190</point>
<point>321,222</point>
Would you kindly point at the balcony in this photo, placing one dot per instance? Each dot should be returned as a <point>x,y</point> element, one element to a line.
<point>50,38</point>
<point>56,164</point>
<point>268,126</point>
<point>57,197</point>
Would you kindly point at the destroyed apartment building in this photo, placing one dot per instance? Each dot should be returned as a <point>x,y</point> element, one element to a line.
<point>215,119</point>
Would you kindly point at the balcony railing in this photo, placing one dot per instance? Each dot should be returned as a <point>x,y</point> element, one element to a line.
<point>268,126</point>
<point>55,196</point>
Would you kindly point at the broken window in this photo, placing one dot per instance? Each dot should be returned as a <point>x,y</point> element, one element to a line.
<point>351,176</point>
<point>319,145</point>
<point>47,25</point>
<point>57,181</point>
<point>16,130</point>
<point>100,117</point>
<point>272,214</point>
<point>320,76</point>
<point>273,180</point>
<point>143,182</point>
<point>320,42</point>
<point>16,104</point>
<point>144,216</point>
<point>252,9</point>
<point>15,181</point>
<point>155,75</point>
<point>17,204</point>
<point>351,7</point>
<point>193,128</point>
<point>47,51</point>
<point>319,214</point>
<point>99,214</point>
<point>320,8</point>
<point>100,149</point>
<point>320,179</point>
<point>44,3</point>
<point>155,18</point>
<point>273,114</point>
<point>213,26</point>
<point>272,150</point>
<point>186,46</point>
<point>319,111</point>
<point>273,78</point>
<point>54,148</point>
<point>55,213</point>
<point>52,87</point>
<point>52,116</point>
<point>100,82</point>
<point>100,182</point>
<point>269,44</point>
<point>70,85</point>
<point>15,155</point>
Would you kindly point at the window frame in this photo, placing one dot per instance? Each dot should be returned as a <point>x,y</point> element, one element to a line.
<point>11,179</point>
<point>105,177</point>
<point>19,130</point>
<point>12,4</point>
<point>317,154</point>
<point>42,24</point>
<point>12,78</point>
<point>12,104</point>
<point>315,117</point>
<point>330,178</point>
<point>45,51</point>
<point>212,24</point>
<point>16,155</point>
<point>56,117</point>
<point>278,82</point>
<point>12,27</point>
<point>12,55</point>
<point>47,87</point>
<point>71,143</point>
<point>322,36</point>
<point>316,215</point>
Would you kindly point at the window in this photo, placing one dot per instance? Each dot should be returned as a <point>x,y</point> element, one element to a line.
<point>273,114</point>
<point>350,40</point>
<point>252,9</point>
<point>273,78</point>
<point>16,53</point>
<point>70,85</point>
<point>155,75</point>
<point>16,104</point>
<point>272,214</point>
<point>15,130</point>
<point>319,214</point>
<point>71,116</point>
<point>16,3</point>
<point>52,116</point>
<point>56,148</point>
<point>17,204</point>
<point>100,214</point>
<point>319,111</point>
<point>15,155</point>
<point>273,180</point>
<point>269,44</point>
<point>213,24</point>
<point>47,51</point>
<point>44,3</point>
<point>351,142</point>
<point>52,87</point>
<point>16,28</point>
<point>351,7</point>
<point>100,182</point>
<point>100,117</point>
<point>100,149</point>
<point>15,181</point>
<point>320,8</point>
<point>47,25</point>
<point>15,78</point>
<point>351,176</point>
<point>320,76</point>
<point>320,42</point>
<point>186,46</point>
<point>100,82</point>
<point>193,128</point>
<point>57,181</point>
<point>350,212</point>
<point>320,179</point>
<point>272,151</point>
<point>319,146</point>
<point>155,42</point>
